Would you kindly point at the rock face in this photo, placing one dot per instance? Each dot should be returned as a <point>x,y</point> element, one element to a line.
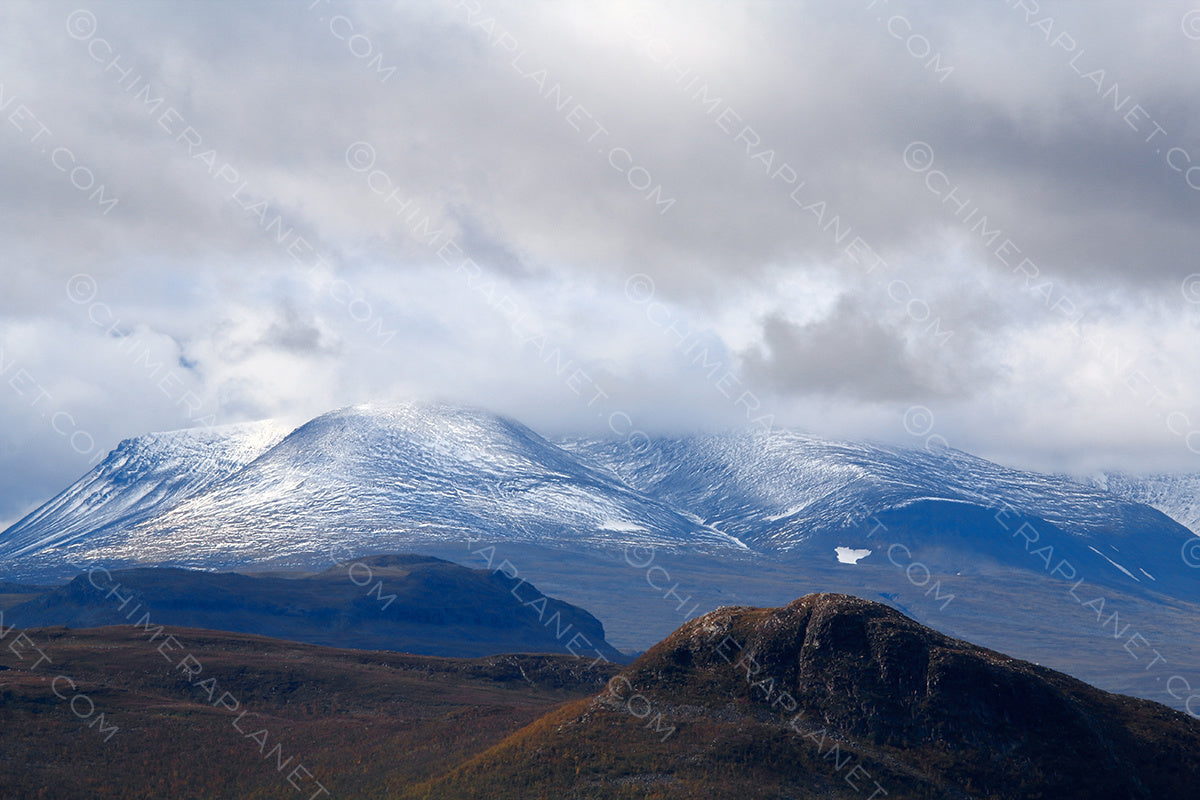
<point>833,696</point>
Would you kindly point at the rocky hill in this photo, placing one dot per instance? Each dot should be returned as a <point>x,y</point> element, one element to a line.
<point>837,697</point>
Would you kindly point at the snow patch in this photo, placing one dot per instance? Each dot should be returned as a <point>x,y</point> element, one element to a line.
<point>849,555</point>
<point>621,526</point>
<point>1115,564</point>
<point>790,512</point>
<point>910,501</point>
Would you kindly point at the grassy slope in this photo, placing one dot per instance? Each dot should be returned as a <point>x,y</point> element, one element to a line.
<point>366,724</point>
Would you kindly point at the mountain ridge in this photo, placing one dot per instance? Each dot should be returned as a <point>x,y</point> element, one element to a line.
<point>393,477</point>
<point>421,471</point>
<point>410,603</point>
<point>806,466</point>
<point>143,475</point>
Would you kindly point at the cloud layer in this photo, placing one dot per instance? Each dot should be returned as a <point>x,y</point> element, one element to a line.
<point>820,215</point>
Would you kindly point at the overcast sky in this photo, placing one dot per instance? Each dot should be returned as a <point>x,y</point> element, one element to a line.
<point>885,220</point>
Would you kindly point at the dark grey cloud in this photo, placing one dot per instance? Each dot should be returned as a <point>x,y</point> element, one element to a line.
<point>298,334</point>
<point>854,353</point>
<point>848,354</point>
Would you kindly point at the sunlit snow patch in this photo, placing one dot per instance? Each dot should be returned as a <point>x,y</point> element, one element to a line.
<point>848,555</point>
<point>620,526</point>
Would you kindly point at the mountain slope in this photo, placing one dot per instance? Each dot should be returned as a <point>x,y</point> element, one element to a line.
<point>783,491</point>
<point>837,697</point>
<point>364,479</point>
<point>411,604</point>
<point>388,478</point>
<point>1177,496</point>
<point>140,478</point>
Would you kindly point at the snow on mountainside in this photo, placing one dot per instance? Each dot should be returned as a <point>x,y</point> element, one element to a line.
<point>772,489</point>
<point>1177,496</point>
<point>371,479</point>
<point>141,477</point>
<point>786,491</point>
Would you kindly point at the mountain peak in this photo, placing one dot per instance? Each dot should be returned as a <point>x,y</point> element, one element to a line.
<point>862,666</point>
<point>399,412</point>
<point>805,622</point>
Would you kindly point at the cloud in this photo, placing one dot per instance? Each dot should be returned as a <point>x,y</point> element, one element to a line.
<point>325,205</point>
<point>850,354</point>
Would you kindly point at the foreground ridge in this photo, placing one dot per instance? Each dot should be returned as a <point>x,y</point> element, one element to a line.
<point>833,696</point>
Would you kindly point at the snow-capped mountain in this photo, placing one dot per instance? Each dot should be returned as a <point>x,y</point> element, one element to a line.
<point>362,479</point>
<point>372,479</point>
